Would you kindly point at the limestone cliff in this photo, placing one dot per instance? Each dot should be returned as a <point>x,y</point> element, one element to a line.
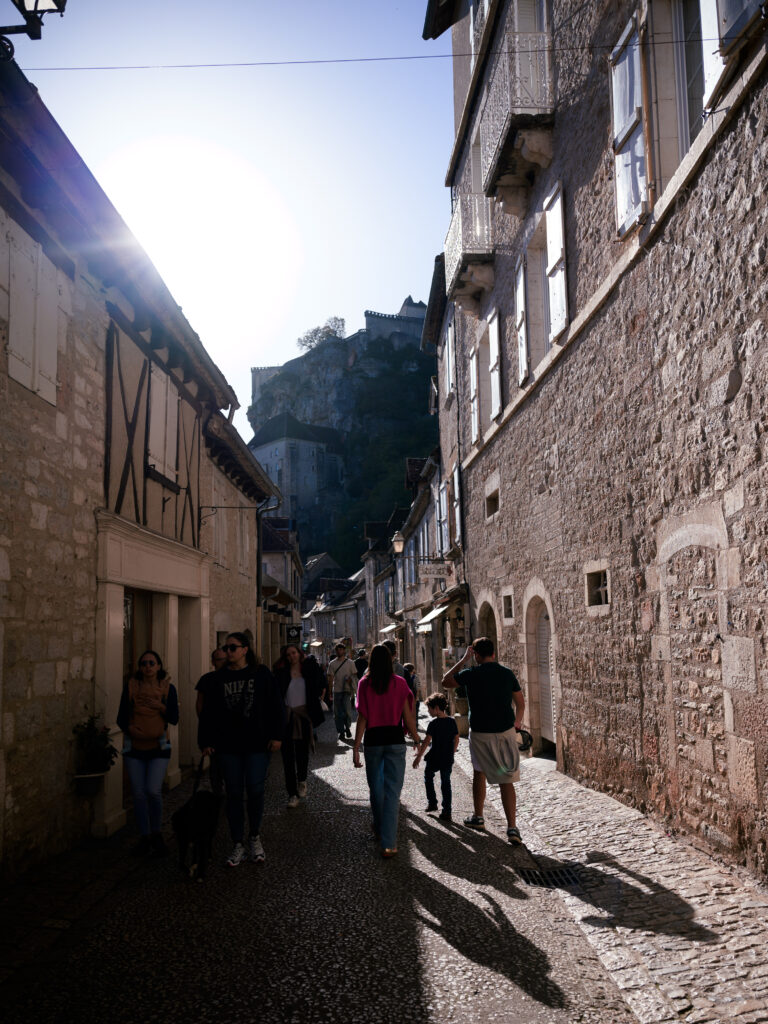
<point>374,390</point>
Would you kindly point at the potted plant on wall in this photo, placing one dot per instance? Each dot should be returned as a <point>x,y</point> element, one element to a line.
<point>94,755</point>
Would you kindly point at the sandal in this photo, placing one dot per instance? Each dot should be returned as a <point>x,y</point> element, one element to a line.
<point>476,821</point>
<point>513,836</point>
<point>387,853</point>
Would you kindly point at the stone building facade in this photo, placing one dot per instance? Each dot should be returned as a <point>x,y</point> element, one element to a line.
<point>602,388</point>
<point>128,503</point>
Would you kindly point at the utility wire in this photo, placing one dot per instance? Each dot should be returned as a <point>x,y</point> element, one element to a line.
<point>348,60</point>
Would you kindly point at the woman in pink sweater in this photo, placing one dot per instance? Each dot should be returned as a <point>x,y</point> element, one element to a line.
<point>385,711</point>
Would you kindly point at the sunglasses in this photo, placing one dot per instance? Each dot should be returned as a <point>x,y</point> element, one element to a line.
<point>232,647</point>
<point>147,664</point>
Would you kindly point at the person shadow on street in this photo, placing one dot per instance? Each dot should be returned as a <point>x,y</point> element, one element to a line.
<point>645,906</point>
<point>477,927</point>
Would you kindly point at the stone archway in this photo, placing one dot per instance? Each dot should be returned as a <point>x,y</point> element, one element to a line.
<point>541,683</point>
<point>486,624</point>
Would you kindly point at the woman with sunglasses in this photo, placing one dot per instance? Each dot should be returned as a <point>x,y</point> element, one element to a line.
<point>149,704</point>
<point>242,720</point>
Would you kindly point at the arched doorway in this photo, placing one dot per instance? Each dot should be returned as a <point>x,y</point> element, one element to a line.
<point>486,624</point>
<point>542,685</point>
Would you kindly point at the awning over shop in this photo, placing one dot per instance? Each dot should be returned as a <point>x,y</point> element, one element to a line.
<point>389,629</point>
<point>424,625</point>
<point>316,643</point>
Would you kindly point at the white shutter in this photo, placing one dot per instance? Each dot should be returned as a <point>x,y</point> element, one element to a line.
<point>474,400</point>
<point>628,138</point>
<point>444,531</point>
<point>448,359</point>
<point>158,401</point>
<point>558,311</point>
<point>714,64</point>
<point>456,504</point>
<point>438,527</point>
<point>21,313</point>
<point>494,359</point>
<point>520,323</point>
<point>171,430</point>
<point>46,328</point>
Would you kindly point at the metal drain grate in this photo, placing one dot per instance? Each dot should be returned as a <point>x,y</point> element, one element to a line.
<point>564,876</point>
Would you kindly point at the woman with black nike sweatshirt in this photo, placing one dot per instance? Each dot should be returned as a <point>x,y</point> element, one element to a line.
<point>242,720</point>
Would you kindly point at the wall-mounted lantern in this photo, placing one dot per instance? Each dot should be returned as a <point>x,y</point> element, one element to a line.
<point>32,12</point>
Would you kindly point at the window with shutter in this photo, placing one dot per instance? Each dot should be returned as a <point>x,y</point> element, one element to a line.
<point>628,138</point>
<point>445,540</point>
<point>448,360</point>
<point>494,360</point>
<point>33,317</point>
<point>163,423</point>
<point>520,324</point>
<point>456,504</point>
<point>474,396</point>
<point>556,285</point>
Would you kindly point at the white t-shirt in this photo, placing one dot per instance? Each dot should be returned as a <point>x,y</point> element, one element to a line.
<point>296,694</point>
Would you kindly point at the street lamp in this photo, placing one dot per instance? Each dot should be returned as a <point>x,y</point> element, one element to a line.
<point>398,543</point>
<point>32,12</point>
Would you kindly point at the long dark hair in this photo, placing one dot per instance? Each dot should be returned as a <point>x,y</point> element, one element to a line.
<point>379,668</point>
<point>161,673</point>
<point>245,641</point>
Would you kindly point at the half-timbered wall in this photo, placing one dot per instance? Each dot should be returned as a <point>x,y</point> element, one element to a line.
<point>152,465</point>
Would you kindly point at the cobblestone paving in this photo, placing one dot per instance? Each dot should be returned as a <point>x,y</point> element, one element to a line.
<point>634,925</point>
<point>684,938</point>
<point>326,931</point>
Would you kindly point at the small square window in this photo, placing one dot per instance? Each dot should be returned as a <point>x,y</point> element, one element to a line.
<point>597,588</point>
<point>491,504</point>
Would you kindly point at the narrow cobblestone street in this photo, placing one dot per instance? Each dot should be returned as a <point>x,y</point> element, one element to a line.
<point>603,918</point>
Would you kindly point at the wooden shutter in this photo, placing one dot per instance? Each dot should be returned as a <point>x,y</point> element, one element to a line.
<point>521,324</point>
<point>457,503</point>
<point>558,308</point>
<point>474,398</point>
<point>494,361</point>
<point>21,313</point>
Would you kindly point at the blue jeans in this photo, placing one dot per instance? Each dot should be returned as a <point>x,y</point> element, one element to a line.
<point>342,711</point>
<point>244,773</point>
<point>445,786</point>
<point>146,778</point>
<point>385,771</point>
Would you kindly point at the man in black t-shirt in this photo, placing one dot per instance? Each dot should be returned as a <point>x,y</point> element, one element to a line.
<point>496,708</point>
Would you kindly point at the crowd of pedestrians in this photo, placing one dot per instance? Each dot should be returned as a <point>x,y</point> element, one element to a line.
<point>246,712</point>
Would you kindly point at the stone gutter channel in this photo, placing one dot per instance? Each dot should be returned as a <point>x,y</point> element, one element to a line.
<point>684,938</point>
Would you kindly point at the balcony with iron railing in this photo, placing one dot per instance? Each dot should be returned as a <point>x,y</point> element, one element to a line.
<point>469,249</point>
<point>516,117</point>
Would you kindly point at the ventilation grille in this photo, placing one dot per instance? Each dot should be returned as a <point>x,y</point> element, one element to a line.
<point>564,876</point>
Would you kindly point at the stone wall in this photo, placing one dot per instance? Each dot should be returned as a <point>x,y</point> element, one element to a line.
<point>51,480</point>
<point>640,447</point>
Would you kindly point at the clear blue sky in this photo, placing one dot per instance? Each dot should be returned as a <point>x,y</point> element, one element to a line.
<point>272,197</point>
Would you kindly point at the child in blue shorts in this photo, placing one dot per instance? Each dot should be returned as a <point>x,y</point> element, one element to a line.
<point>443,736</point>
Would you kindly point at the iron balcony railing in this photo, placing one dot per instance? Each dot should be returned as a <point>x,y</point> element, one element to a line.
<point>519,88</point>
<point>470,235</point>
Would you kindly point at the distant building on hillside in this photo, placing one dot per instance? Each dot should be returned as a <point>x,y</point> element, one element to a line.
<point>309,461</point>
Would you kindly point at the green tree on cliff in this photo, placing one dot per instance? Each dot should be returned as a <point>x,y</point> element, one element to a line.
<point>332,328</point>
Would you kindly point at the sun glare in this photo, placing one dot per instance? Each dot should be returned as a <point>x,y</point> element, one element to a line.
<point>220,234</point>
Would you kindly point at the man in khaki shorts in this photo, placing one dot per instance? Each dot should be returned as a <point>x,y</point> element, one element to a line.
<point>496,708</point>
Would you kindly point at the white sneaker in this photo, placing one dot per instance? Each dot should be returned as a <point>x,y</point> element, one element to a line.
<point>293,801</point>
<point>237,856</point>
<point>255,850</point>
<point>302,789</point>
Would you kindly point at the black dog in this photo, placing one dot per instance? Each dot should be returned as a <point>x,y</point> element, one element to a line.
<point>195,826</point>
